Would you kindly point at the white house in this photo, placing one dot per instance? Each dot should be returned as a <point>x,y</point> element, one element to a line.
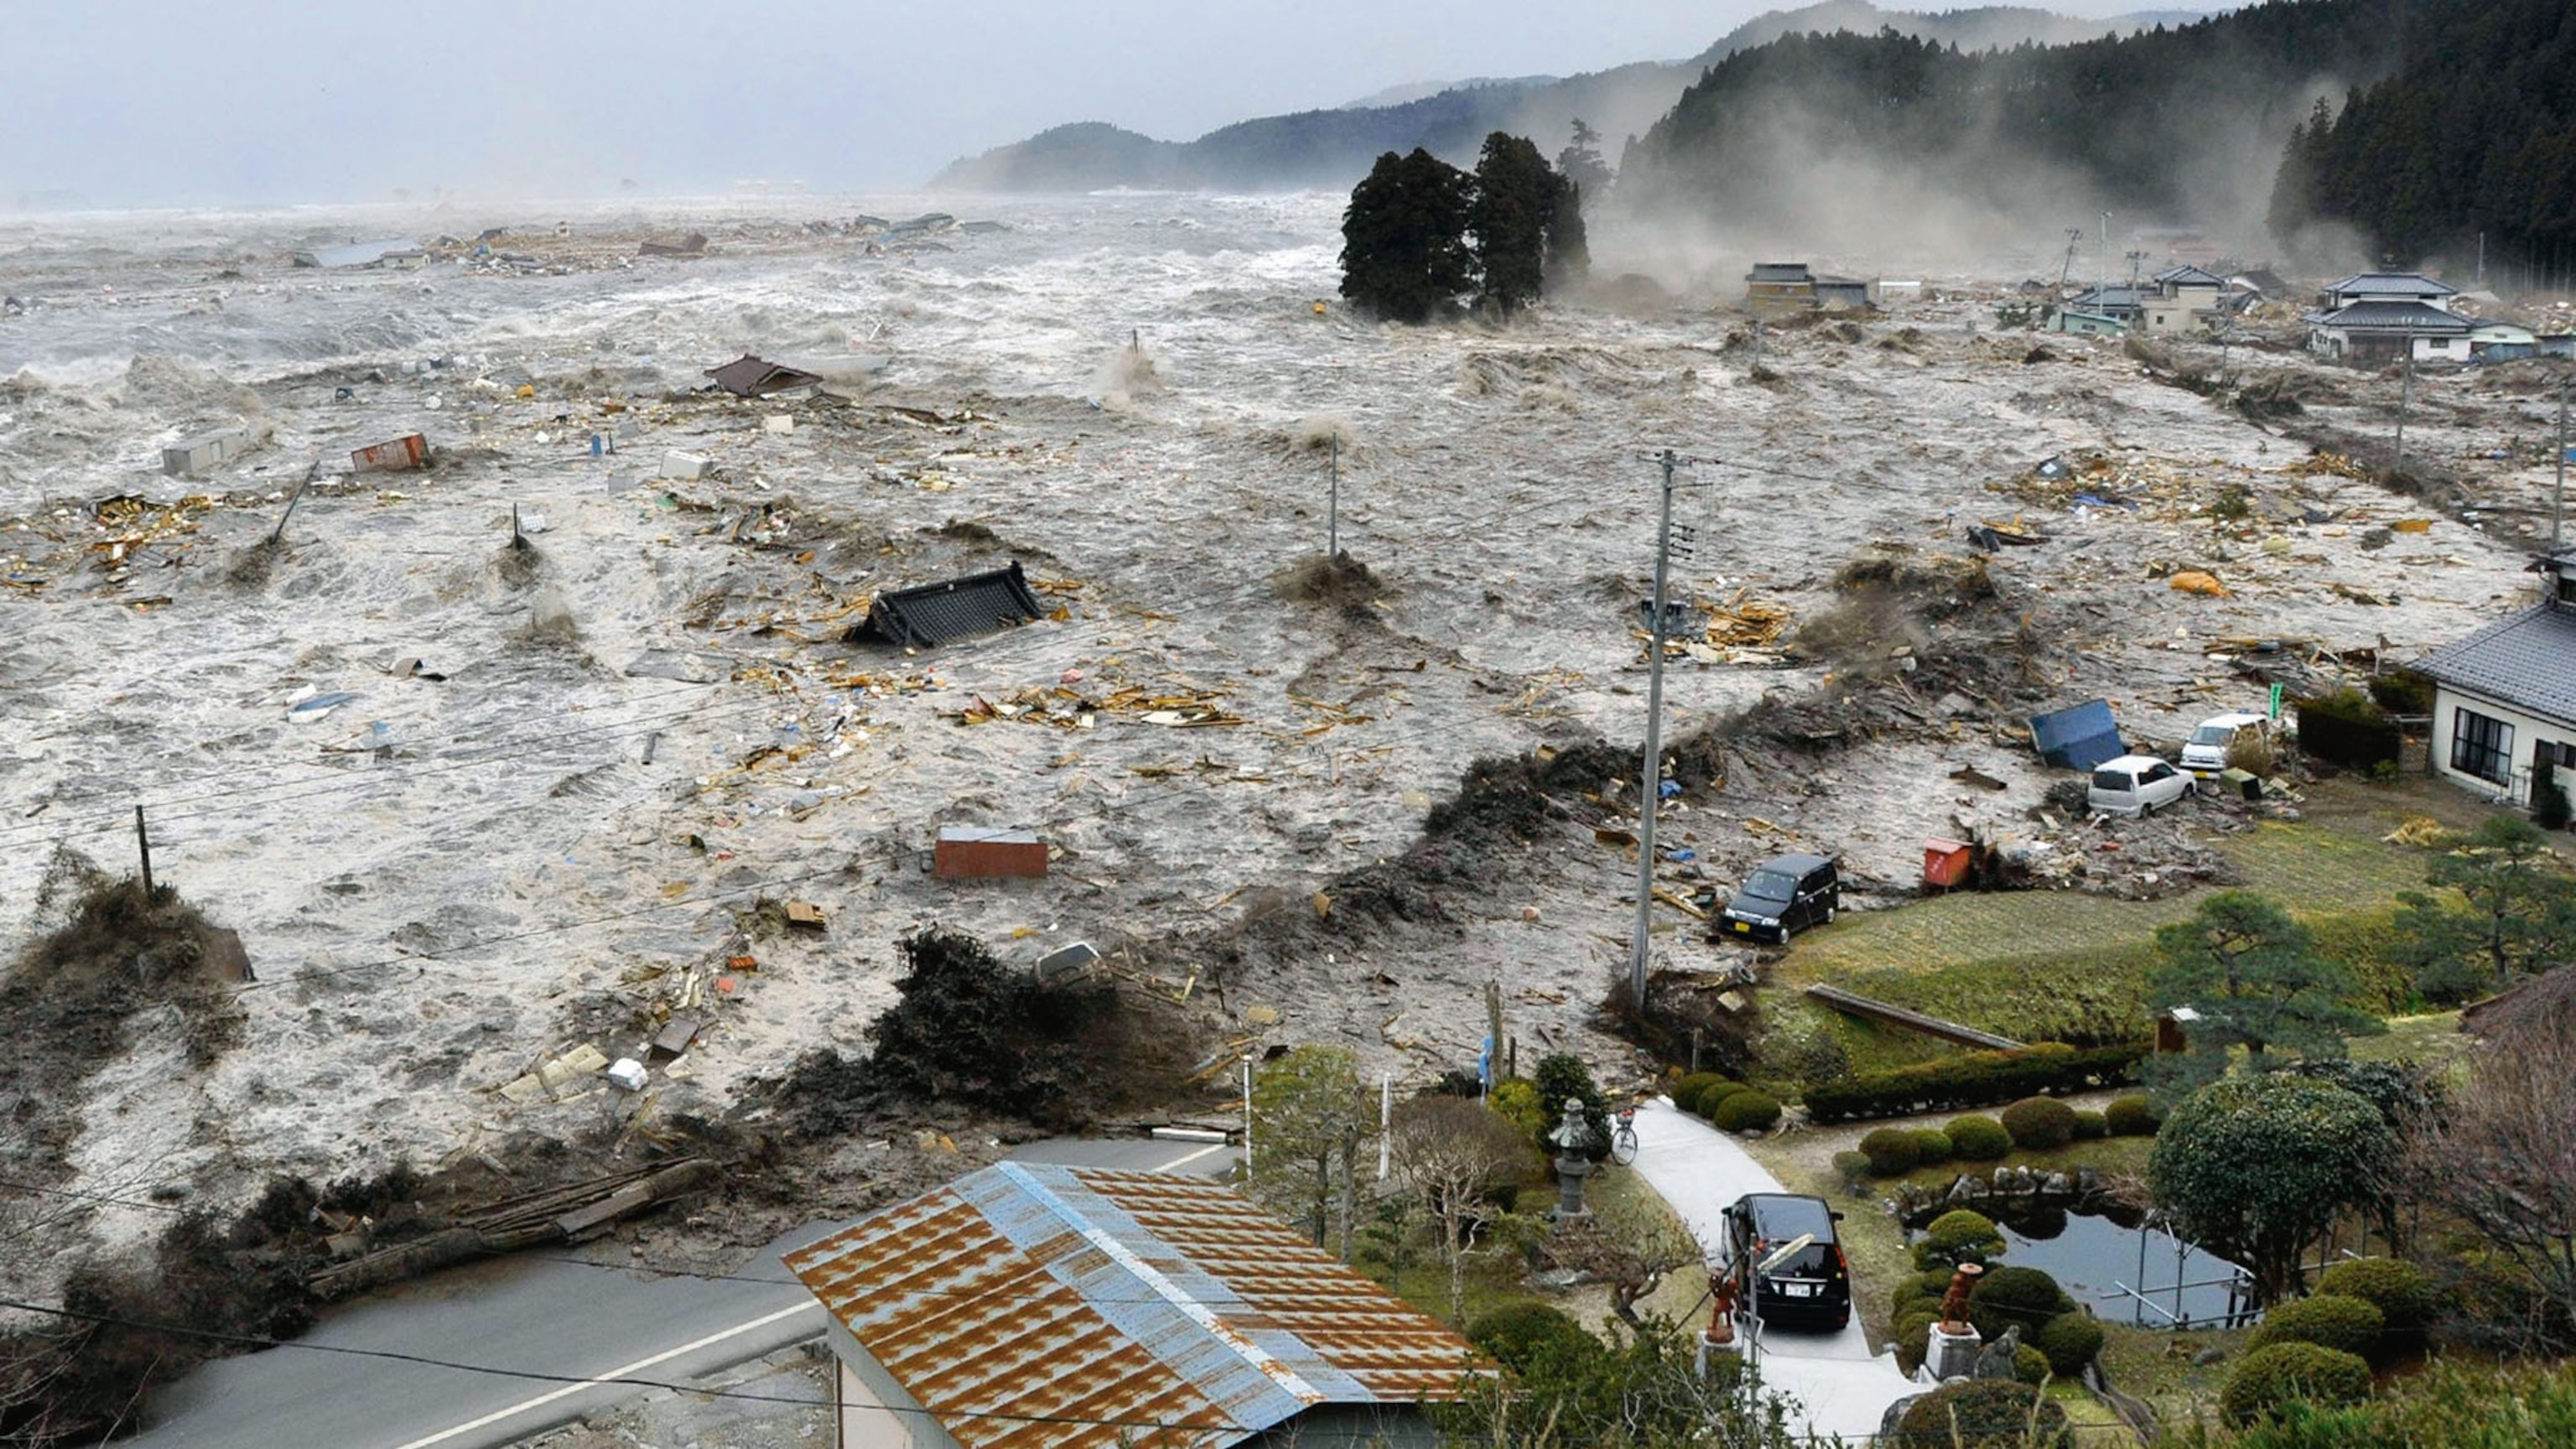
<point>2184,298</point>
<point>2381,330</point>
<point>2504,699</point>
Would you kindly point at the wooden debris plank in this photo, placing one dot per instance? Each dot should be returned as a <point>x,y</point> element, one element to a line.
<point>1893,1015</point>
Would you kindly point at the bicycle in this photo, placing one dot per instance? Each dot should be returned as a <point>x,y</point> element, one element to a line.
<point>1623,1137</point>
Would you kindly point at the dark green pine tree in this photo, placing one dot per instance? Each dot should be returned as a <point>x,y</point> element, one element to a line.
<point>1404,252</point>
<point>1515,204</point>
<point>2295,187</point>
<point>1569,253</point>
<point>1580,162</point>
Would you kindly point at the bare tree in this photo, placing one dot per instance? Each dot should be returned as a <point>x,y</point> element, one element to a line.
<point>1448,1152</point>
<point>1310,1117</point>
<point>1629,1244</point>
<point>2502,1158</point>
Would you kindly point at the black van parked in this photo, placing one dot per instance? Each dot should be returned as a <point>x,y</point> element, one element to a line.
<point>1808,1289</point>
<point>1785,893</point>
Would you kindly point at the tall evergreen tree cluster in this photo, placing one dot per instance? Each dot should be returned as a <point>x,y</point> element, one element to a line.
<point>1420,234</point>
<point>2475,133</point>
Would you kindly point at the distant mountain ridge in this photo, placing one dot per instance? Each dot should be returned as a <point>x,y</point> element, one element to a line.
<point>1334,148</point>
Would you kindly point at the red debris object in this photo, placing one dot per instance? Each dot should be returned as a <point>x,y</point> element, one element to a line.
<point>1946,862</point>
<point>399,456</point>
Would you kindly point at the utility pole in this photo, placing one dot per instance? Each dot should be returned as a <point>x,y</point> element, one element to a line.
<point>1333,510</point>
<point>2482,259</point>
<point>143,846</point>
<point>2558,490</point>
<point>2065,269</point>
<point>1641,949</point>
<point>2104,283</point>
<point>2405,398</point>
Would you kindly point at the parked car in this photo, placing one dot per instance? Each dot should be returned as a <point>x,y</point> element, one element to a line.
<point>1783,894</point>
<point>2137,785</point>
<point>1809,1289</point>
<point>2205,754</point>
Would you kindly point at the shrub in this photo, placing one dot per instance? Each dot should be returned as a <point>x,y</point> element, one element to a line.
<point>1983,1414</point>
<point>2040,1124</point>
<point>2281,1374</point>
<point>1910,1331</point>
<point>2006,1296</point>
<point>1955,1237</point>
<point>1515,1100</point>
<point>2402,1292</point>
<point>1932,1146</point>
<point>1686,1091</point>
<point>1891,1151</point>
<point>1523,1335</point>
<point>2070,1340</point>
<point>1560,1075</point>
<point>2030,1366</point>
<point>1851,1166</point>
<point>1972,1079</point>
<point>1746,1111</point>
<point>2091,1126</point>
<point>2133,1116</point>
<point>1714,1095</point>
<point>1979,1139</point>
<point>2329,1320</point>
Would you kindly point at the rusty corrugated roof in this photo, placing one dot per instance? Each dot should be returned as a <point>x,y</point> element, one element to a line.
<point>1045,1307</point>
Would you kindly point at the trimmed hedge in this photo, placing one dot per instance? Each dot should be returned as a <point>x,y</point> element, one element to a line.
<point>2280,1374</point>
<point>1686,1091</point>
<point>1932,1147</point>
<point>1891,1151</point>
<point>1973,1079</point>
<point>1714,1095</point>
<point>2133,1116</point>
<point>2006,1296</point>
<point>2040,1124</point>
<point>1984,1414</point>
<point>1957,1236</point>
<point>1746,1111</point>
<point>2091,1126</point>
<point>2071,1340</point>
<point>2030,1366</point>
<point>2329,1320</point>
<point>2402,1292</point>
<point>1979,1139</point>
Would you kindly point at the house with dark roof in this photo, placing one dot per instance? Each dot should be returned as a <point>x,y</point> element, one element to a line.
<point>1070,1308</point>
<point>2123,304</point>
<point>1780,287</point>
<point>2184,298</point>
<point>2504,698</point>
<point>2381,330</point>
<point>2386,287</point>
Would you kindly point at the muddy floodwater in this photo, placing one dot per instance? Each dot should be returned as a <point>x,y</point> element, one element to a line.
<point>473,805</point>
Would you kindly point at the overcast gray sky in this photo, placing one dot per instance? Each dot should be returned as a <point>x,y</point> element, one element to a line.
<point>147,102</point>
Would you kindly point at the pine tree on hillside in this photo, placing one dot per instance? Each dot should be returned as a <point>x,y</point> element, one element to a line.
<point>1515,205</point>
<point>1404,253</point>
<point>1580,162</point>
<point>1569,251</point>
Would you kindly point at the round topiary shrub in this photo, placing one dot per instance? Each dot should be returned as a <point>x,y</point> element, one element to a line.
<point>2133,1116</point>
<point>2071,1340</point>
<point>1686,1092</point>
<point>1520,1335</point>
<point>1891,1151</point>
<point>1910,1332</point>
<point>2402,1292</point>
<point>1852,1167</point>
<point>2091,1126</point>
<point>2008,1296</point>
<point>1746,1111</point>
<point>2329,1320</point>
<point>1978,1139</point>
<point>1713,1095</point>
<point>1932,1146</point>
<point>2281,1374</point>
<point>1983,1414</point>
<point>1957,1236</point>
<point>2030,1366</point>
<point>2040,1124</point>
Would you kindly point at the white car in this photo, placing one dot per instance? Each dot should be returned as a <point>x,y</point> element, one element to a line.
<point>2205,754</point>
<point>2135,785</point>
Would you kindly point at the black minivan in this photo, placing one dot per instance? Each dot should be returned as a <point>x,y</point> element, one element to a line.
<point>1783,894</point>
<point>1808,1289</point>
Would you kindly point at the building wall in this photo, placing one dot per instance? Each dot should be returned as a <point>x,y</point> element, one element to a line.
<point>866,1392</point>
<point>2528,731</point>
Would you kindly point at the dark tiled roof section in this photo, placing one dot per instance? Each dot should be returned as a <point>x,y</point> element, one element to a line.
<point>2404,284</point>
<point>2412,316</point>
<point>1780,272</point>
<point>749,376</point>
<point>2527,661</point>
<point>957,609</point>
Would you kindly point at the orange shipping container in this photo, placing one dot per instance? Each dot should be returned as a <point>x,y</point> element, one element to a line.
<point>1945,862</point>
<point>973,853</point>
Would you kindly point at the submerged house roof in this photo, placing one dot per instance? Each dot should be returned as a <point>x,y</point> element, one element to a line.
<point>958,608</point>
<point>1779,272</point>
<point>749,376</point>
<point>2527,661</point>
<point>1032,1304</point>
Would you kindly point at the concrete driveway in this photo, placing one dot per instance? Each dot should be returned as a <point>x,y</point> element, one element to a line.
<point>1841,1387</point>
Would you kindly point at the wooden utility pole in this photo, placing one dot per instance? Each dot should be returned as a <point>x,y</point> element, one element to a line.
<point>1641,949</point>
<point>1333,509</point>
<point>2405,398</point>
<point>143,847</point>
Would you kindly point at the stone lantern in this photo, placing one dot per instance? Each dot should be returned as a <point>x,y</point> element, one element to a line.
<point>1573,1139</point>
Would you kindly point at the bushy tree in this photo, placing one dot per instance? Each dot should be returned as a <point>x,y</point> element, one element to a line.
<point>1642,1390</point>
<point>1508,220</point>
<point>1450,1153</point>
<point>1310,1117</point>
<point>1580,162</point>
<point>2254,1168</point>
<point>2251,974</point>
<point>1562,1075</point>
<point>1404,250</point>
<point>1567,244</point>
<point>2518,916</point>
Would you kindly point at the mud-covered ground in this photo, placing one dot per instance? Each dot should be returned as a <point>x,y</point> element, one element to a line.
<point>567,772</point>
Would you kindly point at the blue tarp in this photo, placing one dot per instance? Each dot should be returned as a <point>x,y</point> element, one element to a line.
<point>2077,738</point>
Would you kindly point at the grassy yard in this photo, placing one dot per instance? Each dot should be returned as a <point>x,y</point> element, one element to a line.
<point>2042,965</point>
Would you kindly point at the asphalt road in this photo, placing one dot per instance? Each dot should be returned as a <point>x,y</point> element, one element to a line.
<point>531,1316</point>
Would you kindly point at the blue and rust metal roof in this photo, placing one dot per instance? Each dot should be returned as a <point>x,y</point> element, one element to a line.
<point>1033,1305</point>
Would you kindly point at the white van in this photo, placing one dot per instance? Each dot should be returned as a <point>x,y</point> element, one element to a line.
<point>2134,785</point>
<point>2205,754</point>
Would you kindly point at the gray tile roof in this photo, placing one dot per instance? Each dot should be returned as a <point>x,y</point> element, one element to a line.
<point>1779,272</point>
<point>2394,316</point>
<point>2402,284</point>
<point>2527,661</point>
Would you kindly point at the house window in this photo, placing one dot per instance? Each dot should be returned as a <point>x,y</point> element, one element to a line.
<point>2481,746</point>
